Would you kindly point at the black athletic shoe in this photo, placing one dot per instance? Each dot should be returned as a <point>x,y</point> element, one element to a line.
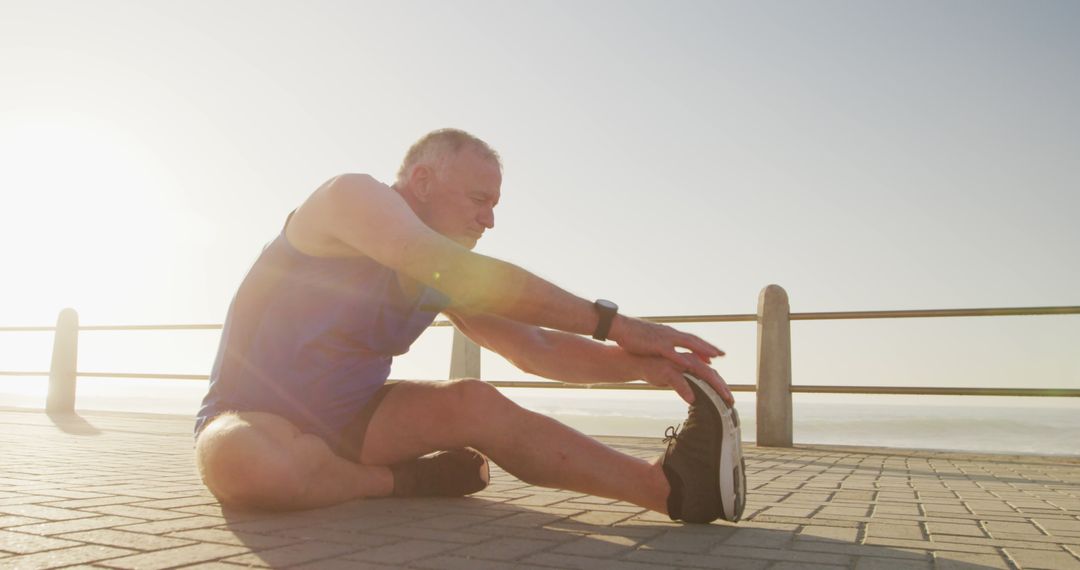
<point>453,473</point>
<point>704,463</point>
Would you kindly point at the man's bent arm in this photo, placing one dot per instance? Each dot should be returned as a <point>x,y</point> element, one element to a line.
<point>569,358</point>
<point>372,219</point>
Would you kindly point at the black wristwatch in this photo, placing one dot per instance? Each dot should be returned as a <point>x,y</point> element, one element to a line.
<point>607,311</point>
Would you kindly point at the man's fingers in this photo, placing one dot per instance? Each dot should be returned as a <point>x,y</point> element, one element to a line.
<point>713,378</point>
<point>681,387</point>
<point>699,347</point>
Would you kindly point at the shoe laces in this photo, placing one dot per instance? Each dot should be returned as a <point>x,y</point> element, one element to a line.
<point>672,433</point>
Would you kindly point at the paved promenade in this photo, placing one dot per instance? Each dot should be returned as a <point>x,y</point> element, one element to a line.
<point>112,490</point>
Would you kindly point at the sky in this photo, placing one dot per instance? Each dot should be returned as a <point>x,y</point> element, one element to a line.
<point>675,157</point>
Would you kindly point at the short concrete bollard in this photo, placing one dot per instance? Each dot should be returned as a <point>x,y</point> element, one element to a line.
<point>64,361</point>
<point>465,358</point>
<point>774,420</point>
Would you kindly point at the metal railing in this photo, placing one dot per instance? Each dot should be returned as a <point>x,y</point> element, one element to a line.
<point>773,385</point>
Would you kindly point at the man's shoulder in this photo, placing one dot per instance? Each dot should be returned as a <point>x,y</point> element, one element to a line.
<point>310,230</point>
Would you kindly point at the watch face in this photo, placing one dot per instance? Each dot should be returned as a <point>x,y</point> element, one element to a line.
<point>604,303</point>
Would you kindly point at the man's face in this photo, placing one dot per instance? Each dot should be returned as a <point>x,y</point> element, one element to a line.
<point>463,198</point>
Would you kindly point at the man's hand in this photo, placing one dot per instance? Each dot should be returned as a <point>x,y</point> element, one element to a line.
<point>660,371</point>
<point>651,339</point>
<point>646,339</point>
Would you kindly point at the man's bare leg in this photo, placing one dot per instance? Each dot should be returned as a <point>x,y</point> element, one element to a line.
<point>417,418</point>
<point>257,459</point>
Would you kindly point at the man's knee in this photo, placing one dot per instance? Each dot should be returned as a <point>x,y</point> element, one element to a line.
<point>246,463</point>
<point>471,396</point>
<point>469,401</point>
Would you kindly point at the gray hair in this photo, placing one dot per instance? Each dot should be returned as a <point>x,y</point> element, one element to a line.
<point>437,147</point>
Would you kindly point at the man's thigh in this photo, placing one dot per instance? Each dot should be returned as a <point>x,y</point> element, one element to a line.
<point>241,452</point>
<point>417,418</point>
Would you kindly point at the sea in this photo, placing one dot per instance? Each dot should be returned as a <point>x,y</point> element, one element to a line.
<point>983,424</point>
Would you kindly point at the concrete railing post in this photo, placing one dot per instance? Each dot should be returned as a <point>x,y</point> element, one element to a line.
<point>465,358</point>
<point>774,427</point>
<point>64,360</point>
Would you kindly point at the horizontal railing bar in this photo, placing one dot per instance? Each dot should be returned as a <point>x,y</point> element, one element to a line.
<point>143,376</point>
<point>746,317</point>
<point>149,327</point>
<point>922,313</point>
<point>1002,312</point>
<point>702,318</point>
<point>865,390</point>
<point>629,386</point>
<point>805,389</point>
<point>930,391</point>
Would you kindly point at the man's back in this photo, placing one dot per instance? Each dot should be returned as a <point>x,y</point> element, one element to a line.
<point>312,338</point>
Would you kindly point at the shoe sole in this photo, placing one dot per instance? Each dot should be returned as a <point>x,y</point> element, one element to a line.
<point>732,463</point>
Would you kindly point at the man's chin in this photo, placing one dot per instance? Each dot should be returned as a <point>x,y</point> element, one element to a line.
<point>468,242</point>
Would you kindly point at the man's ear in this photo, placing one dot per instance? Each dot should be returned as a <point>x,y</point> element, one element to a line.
<point>422,182</point>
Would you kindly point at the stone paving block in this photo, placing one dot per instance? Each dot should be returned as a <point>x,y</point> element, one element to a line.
<point>856,550</point>
<point>98,502</point>
<point>527,519</point>
<point>1025,528</point>
<point>27,500</point>
<point>966,561</point>
<point>542,533</point>
<point>122,539</point>
<point>757,553</point>
<point>911,531</point>
<point>417,532</point>
<point>297,553</point>
<point>1042,559</point>
<point>758,538</point>
<point>601,518</point>
<point>598,545</point>
<point>62,557</point>
<point>542,499</point>
<point>832,533</point>
<point>403,552</point>
<point>505,548</point>
<point>674,541</point>
<point>339,564</point>
<point>137,512</point>
<point>871,563</point>
<point>8,521</point>
<point>956,529</point>
<point>986,507</point>
<point>963,544</point>
<point>19,543</point>
<point>226,536</point>
<point>635,531</point>
<point>894,510</point>
<point>656,558</point>
<point>803,566</point>
<point>932,509</point>
<point>173,525</point>
<point>76,525</point>
<point>463,563</point>
<point>169,558</point>
<point>176,503</point>
<point>44,512</point>
<point>579,505</point>
<point>454,521</point>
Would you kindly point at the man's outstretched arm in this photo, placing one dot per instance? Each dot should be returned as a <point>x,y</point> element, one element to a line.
<point>577,360</point>
<point>367,216</point>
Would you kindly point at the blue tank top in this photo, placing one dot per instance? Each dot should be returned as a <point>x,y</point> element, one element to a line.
<point>312,338</point>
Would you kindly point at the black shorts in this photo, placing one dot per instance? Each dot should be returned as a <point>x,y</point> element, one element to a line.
<point>351,442</point>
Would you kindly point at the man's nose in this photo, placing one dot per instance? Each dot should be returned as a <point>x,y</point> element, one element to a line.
<point>487,218</point>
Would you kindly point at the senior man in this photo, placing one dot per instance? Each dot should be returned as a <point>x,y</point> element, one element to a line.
<point>299,413</point>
